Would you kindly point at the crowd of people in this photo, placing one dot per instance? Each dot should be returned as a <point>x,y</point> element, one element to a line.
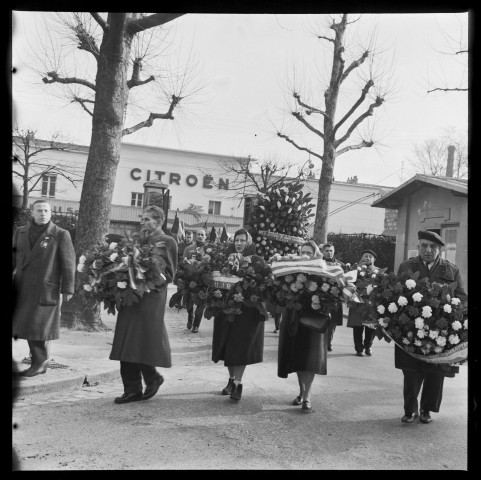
<point>44,271</point>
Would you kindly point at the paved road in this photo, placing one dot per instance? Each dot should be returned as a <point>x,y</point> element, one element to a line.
<point>355,422</point>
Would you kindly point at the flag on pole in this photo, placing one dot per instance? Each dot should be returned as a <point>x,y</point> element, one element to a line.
<point>213,235</point>
<point>175,225</point>
<point>224,237</point>
<point>181,233</point>
<point>205,225</point>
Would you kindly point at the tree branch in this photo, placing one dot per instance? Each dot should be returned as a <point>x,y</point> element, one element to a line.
<point>379,101</point>
<point>135,79</point>
<point>307,124</point>
<point>138,25</point>
<point>153,116</point>
<point>307,107</point>
<point>354,65</point>
<point>99,20</point>
<point>361,99</point>
<point>322,37</point>
<point>287,139</point>
<point>56,79</point>
<point>449,90</point>
<point>363,144</point>
<point>82,102</point>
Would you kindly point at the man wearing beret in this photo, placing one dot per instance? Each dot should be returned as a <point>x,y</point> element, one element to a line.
<point>416,372</point>
<point>358,314</point>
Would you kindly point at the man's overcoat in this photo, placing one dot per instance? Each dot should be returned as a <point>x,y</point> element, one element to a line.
<point>443,272</point>
<point>40,275</point>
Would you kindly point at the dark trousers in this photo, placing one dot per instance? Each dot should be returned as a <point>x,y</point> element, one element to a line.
<point>277,320</point>
<point>359,344</point>
<point>132,374</point>
<point>431,395</point>
<point>196,318</point>
<point>330,332</point>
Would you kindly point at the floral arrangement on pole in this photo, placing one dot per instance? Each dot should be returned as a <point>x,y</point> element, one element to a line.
<point>120,273</point>
<point>425,319</point>
<point>280,219</point>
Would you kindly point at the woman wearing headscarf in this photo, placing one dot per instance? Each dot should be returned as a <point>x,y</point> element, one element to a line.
<point>141,342</point>
<point>303,351</point>
<point>239,342</point>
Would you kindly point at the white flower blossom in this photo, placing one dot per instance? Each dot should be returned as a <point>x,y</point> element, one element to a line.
<point>80,267</point>
<point>364,267</point>
<point>392,307</point>
<point>418,343</point>
<point>455,301</point>
<point>375,272</point>
<point>465,324</point>
<point>419,322</point>
<point>402,301</point>
<point>421,333</point>
<point>301,278</point>
<point>312,286</point>
<point>410,334</point>
<point>373,275</point>
<point>361,274</point>
<point>369,289</point>
<point>456,325</point>
<point>427,312</point>
<point>441,341</point>
<point>381,309</point>
<point>87,288</point>
<point>444,332</point>
<point>382,322</point>
<point>325,287</point>
<point>433,334</point>
<point>112,245</point>
<point>82,259</point>
<point>113,256</point>
<point>315,306</point>
<point>315,299</point>
<point>453,339</point>
<point>406,341</point>
<point>410,284</point>
<point>294,287</point>
<point>289,278</point>
<point>438,349</point>
<point>121,284</point>
<point>417,297</point>
<point>447,308</point>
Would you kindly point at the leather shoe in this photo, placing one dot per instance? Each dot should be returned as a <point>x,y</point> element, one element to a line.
<point>189,324</point>
<point>368,352</point>
<point>195,329</point>
<point>425,417</point>
<point>236,392</point>
<point>409,418</point>
<point>359,354</point>
<point>151,390</point>
<point>297,400</point>
<point>306,405</point>
<point>329,348</point>
<point>129,397</point>
<point>32,371</point>
<point>228,388</point>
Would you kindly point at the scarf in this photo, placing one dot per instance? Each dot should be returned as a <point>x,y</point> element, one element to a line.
<point>36,232</point>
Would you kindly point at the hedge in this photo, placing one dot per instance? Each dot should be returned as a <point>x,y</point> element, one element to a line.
<point>348,247</point>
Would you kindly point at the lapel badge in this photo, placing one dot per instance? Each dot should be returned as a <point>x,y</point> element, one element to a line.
<point>44,242</point>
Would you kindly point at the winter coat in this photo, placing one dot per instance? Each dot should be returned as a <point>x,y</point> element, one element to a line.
<point>40,275</point>
<point>336,313</point>
<point>140,332</point>
<point>443,272</point>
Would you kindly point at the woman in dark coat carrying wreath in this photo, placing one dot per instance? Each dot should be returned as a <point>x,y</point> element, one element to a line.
<point>141,342</point>
<point>303,352</point>
<point>240,342</point>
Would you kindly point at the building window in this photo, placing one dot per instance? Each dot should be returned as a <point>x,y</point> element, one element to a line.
<point>136,200</point>
<point>214,208</point>
<point>48,185</point>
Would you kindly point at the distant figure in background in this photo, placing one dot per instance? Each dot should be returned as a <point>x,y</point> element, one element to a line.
<point>417,374</point>
<point>189,238</point>
<point>193,321</point>
<point>141,342</point>
<point>357,316</point>
<point>305,351</point>
<point>43,268</point>
<point>336,313</point>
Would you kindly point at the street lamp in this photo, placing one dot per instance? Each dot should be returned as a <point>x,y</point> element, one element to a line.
<point>157,193</point>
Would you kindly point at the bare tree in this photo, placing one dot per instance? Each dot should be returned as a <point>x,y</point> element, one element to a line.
<point>430,157</point>
<point>455,46</point>
<point>31,167</point>
<point>321,120</point>
<point>195,210</point>
<point>117,47</point>
<point>250,175</point>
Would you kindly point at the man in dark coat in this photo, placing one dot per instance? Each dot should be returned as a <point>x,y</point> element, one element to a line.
<point>43,268</point>
<point>336,313</point>
<point>193,321</point>
<point>189,237</point>
<point>416,372</point>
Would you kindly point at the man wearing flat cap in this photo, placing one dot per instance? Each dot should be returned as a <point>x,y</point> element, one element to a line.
<point>357,314</point>
<point>416,372</point>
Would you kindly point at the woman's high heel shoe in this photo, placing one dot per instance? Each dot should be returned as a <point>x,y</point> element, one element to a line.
<point>297,400</point>
<point>32,371</point>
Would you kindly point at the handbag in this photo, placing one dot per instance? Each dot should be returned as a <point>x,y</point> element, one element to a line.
<point>316,322</point>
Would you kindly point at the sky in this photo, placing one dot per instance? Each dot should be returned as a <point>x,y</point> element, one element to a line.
<point>245,67</point>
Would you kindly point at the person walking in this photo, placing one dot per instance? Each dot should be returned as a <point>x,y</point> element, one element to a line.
<point>304,352</point>
<point>141,342</point>
<point>193,321</point>
<point>336,314</point>
<point>43,269</point>
<point>419,376</point>
<point>239,342</point>
<point>357,314</point>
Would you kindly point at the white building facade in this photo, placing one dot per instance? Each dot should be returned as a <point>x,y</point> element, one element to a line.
<point>197,178</point>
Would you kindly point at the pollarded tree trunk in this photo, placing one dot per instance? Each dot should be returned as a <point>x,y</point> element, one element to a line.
<point>104,155</point>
